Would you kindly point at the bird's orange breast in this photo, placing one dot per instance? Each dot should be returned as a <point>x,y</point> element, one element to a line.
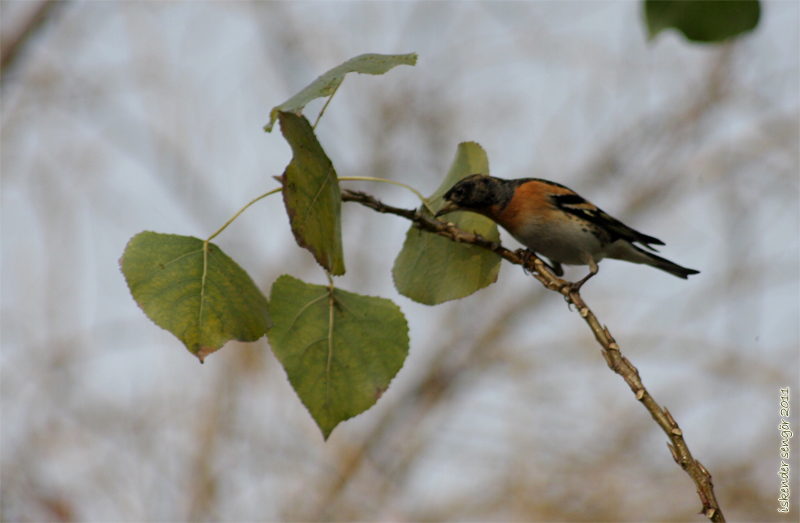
<point>529,204</point>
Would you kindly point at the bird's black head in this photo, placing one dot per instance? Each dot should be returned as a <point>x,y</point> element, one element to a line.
<point>474,193</point>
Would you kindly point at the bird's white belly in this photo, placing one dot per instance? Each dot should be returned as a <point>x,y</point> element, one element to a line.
<point>571,242</point>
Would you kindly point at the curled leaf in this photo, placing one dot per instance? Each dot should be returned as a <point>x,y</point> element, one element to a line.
<point>312,196</point>
<point>327,83</point>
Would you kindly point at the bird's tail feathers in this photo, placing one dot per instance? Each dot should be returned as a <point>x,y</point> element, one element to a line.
<point>632,253</point>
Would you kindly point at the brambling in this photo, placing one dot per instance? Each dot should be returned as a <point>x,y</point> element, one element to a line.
<point>554,221</point>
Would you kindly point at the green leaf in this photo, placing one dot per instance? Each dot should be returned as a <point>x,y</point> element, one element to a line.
<point>312,196</point>
<point>431,269</point>
<point>340,350</point>
<point>702,20</point>
<point>194,290</point>
<point>327,84</point>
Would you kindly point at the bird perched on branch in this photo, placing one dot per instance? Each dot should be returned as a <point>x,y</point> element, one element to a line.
<point>555,222</point>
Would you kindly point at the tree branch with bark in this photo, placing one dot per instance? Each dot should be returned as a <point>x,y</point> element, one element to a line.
<point>609,347</point>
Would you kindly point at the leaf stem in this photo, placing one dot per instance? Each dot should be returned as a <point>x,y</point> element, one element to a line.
<point>240,212</point>
<point>399,184</point>
<point>326,105</point>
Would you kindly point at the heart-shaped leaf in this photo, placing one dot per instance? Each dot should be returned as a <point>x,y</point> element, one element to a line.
<point>194,290</point>
<point>431,269</point>
<point>339,349</point>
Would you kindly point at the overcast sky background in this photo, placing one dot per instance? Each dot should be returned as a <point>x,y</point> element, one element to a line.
<point>119,117</point>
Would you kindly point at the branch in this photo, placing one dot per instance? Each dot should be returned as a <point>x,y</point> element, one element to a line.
<point>610,350</point>
<point>12,47</point>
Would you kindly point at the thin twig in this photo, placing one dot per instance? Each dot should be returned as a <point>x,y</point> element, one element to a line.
<point>610,349</point>
<point>240,211</point>
<point>399,184</point>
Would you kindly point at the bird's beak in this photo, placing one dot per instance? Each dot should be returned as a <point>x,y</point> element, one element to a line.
<point>448,207</point>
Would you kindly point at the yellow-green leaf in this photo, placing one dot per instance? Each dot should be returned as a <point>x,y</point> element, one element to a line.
<point>194,290</point>
<point>327,83</point>
<point>431,269</point>
<point>339,349</point>
<point>312,196</point>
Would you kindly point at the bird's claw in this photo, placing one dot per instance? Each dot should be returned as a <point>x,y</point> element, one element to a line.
<point>525,256</point>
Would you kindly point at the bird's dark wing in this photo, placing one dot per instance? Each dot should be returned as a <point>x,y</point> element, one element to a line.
<point>576,205</point>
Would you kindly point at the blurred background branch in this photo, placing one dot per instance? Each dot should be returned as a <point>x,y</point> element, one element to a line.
<point>21,33</point>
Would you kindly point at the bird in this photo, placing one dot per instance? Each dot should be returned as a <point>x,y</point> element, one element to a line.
<point>555,222</point>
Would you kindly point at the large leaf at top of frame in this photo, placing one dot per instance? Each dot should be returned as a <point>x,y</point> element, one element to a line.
<point>431,269</point>
<point>312,196</point>
<point>194,290</point>
<point>340,350</point>
<point>702,20</point>
<point>328,82</point>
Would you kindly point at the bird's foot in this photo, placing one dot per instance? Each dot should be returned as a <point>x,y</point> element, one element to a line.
<point>570,287</point>
<point>527,254</point>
